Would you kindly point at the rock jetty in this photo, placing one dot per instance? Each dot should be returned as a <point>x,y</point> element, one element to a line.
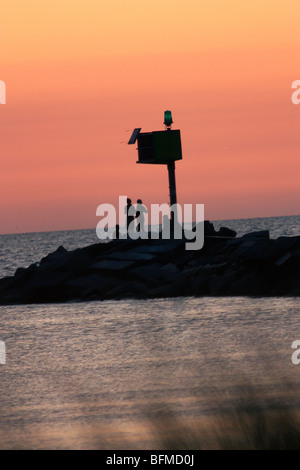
<point>251,265</point>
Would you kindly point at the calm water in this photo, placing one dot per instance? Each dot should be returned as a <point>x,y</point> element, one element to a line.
<point>94,375</point>
<point>87,375</point>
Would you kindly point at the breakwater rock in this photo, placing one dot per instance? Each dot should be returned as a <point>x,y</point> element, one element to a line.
<point>252,265</point>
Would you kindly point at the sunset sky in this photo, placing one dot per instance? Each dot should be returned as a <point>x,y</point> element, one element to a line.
<point>82,74</point>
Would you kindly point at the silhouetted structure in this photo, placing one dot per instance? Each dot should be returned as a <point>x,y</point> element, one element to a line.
<point>161,147</point>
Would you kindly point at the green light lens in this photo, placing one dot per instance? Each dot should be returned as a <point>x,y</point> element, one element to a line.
<point>168,118</point>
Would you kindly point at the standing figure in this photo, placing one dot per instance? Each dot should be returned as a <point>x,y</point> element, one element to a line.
<point>140,218</point>
<point>130,212</point>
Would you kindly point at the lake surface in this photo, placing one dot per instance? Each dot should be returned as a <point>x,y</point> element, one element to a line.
<point>99,374</point>
<point>120,374</point>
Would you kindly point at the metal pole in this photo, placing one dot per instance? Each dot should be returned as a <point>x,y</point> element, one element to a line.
<point>172,188</point>
<point>172,183</point>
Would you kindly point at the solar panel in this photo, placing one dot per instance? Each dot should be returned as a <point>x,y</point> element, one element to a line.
<point>134,136</point>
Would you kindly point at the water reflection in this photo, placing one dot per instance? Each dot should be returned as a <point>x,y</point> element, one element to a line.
<point>123,374</point>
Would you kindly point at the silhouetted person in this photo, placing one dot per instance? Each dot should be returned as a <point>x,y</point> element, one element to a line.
<point>117,233</point>
<point>140,211</point>
<point>130,212</point>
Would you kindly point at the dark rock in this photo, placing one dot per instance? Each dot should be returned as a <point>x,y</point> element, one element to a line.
<point>61,249</point>
<point>111,265</point>
<point>284,244</point>
<point>57,257</point>
<point>251,250</point>
<point>209,229</point>
<point>90,285</point>
<point>131,255</point>
<point>166,246</point>
<point>250,265</point>
<point>200,285</point>
<point>150,274</point>
<point>19,271</point>
<point>226,232</point>
<point>170,271</point>
<point>127,289</point>
<point>54,255</point>
<point>296,253</point>
<point>260,234</point>
<point>246,284</point>
<point>221,285</point>
<point>23,275</point>
<point>169,289</point>
<point>283,259</point>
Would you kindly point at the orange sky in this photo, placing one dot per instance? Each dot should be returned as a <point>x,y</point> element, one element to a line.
<point>81,74</point>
